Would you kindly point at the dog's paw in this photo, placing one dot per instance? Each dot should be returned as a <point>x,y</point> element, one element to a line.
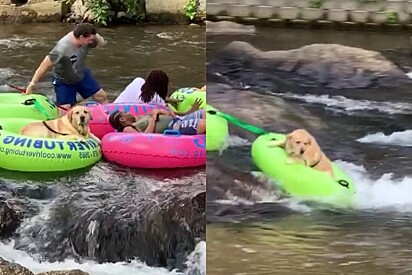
<point>289,161</point>
<point>274,143</point>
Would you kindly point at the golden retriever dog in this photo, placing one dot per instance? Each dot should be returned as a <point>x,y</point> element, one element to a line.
<point>73,125</point>
<point>302,147</point>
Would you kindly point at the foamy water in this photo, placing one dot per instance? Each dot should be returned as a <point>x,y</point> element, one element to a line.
<point>233,141</point>
<point>196,263</point>
<point>236,141</point>
<point>384,193</point>
<point>402,138</point>
<point>19,42</point>
<point>347,105</point>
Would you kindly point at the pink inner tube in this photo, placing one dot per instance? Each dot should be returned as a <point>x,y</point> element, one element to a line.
<point>100,125</point>
<point>155,150</point>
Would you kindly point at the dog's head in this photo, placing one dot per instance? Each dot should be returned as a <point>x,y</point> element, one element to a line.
<point>297,142</point>
<point>79,116</point>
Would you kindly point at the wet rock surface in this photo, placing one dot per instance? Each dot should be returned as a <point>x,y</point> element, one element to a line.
<point>254,107</point>
<point>315,66</point>
<point>228,27</point>
<point>8,268</point>
<point>160,227</point>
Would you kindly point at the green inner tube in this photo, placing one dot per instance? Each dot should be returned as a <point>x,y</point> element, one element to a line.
<point>300,181</point>
<point>187,97</point>
<point>217,130</point>
<point>35,106</point>
<point>30,154</point>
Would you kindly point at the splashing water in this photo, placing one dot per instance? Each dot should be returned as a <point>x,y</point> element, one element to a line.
<point>196,263</point>
<point>18,42</point>
<point>233,141</point>
<point>341,104</point>
<point>402,138</point>
<point>22,258</point>
<point>385,193</point>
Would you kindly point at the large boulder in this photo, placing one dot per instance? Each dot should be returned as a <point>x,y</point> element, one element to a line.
<point>158,227</point>
<point>254,107</point>
<point>329,66</point>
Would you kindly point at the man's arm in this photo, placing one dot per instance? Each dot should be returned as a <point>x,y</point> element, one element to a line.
<point>45,65</point>
<point>98,42</point>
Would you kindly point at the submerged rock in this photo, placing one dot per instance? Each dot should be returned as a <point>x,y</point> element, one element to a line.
<point>226,183</point>
<point>245,191</point>
<point>228,27</point>
<point>330,66</point>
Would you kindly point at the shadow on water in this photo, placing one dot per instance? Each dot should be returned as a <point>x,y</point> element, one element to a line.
<point>252,228</point>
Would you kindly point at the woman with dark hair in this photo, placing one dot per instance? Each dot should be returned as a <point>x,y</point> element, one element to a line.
<point>159,121</point>
<point>152,90</point>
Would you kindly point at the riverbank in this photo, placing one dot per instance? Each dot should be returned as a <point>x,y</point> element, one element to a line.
<point>144,11</point>
<point>350,14</point>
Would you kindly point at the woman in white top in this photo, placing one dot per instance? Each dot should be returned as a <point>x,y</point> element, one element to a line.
<point>153,90</point>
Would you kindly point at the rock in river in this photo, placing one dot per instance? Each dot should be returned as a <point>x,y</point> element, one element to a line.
<point>330,66</point>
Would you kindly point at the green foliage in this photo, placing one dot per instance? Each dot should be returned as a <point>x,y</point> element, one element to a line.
<point>191,8</point>
<point>100,10</point>
<point>105,11</point>
<point>391,17</point>
<point>316,4</point>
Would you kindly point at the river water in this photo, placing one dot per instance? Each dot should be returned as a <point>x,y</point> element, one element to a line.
<point>131,52</point>
<point>274,235</point>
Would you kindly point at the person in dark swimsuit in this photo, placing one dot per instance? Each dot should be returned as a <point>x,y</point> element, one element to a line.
<point>159,121</point>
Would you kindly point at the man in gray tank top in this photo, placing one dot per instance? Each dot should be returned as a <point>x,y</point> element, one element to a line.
<point>68,60</point>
